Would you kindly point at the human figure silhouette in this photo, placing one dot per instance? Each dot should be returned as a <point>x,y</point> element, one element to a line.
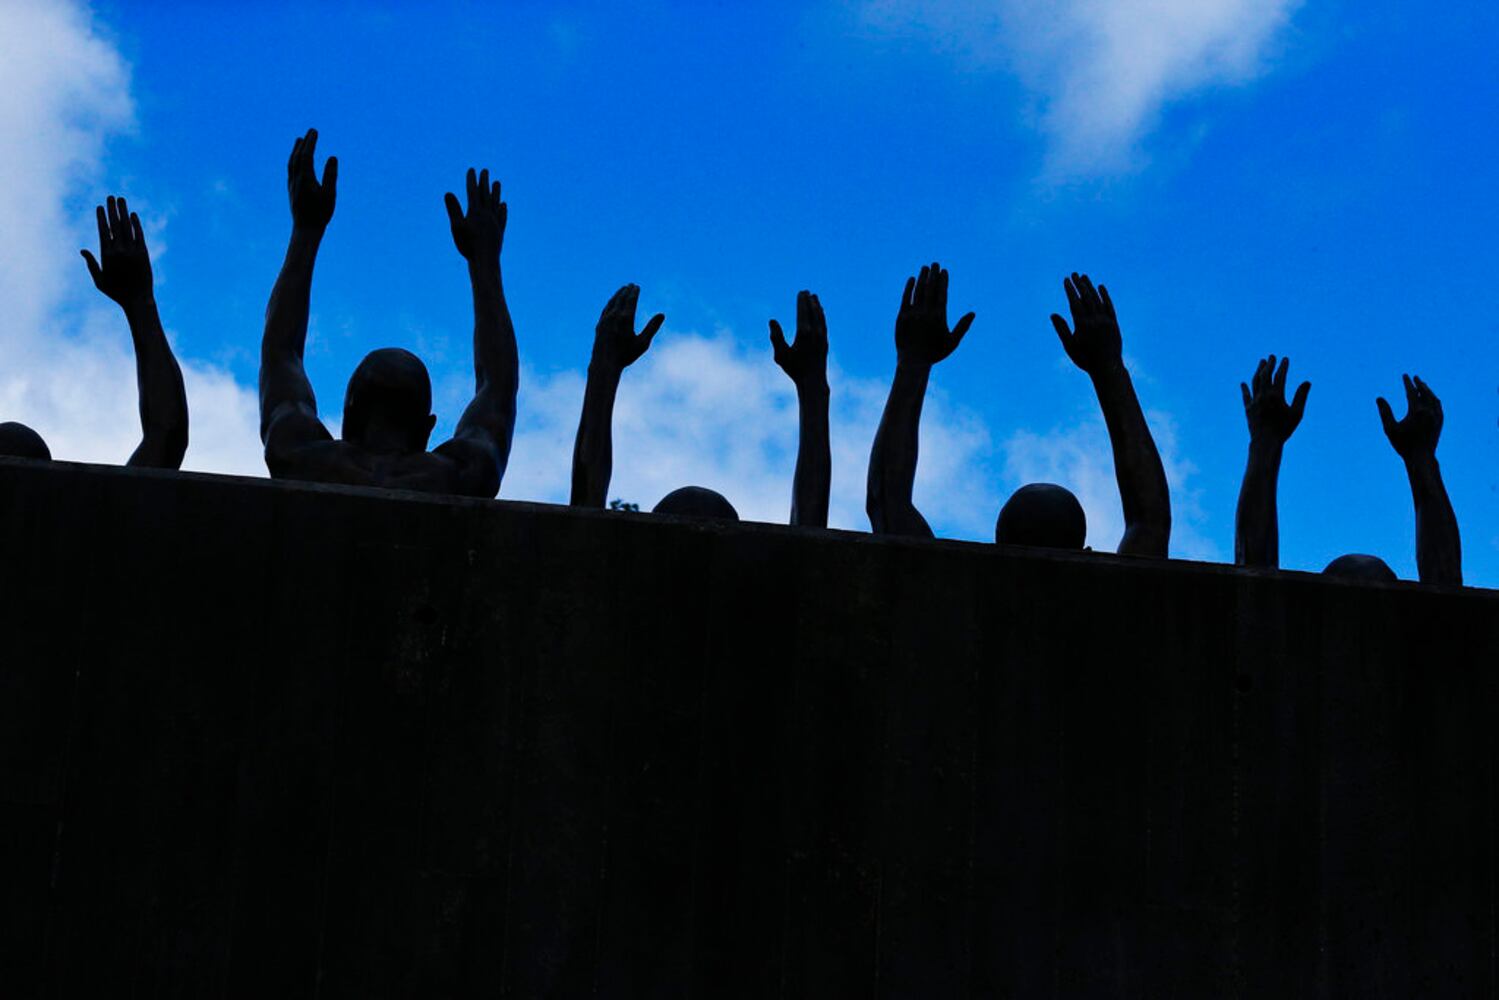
<point>922,339</point>
<point>122,271</point>
<point>616,346</point>
<point>1272,421</point>
<point>387,407</point>
<point>805,360</point>
<point>1439,551</point>
<point>1095,345</point>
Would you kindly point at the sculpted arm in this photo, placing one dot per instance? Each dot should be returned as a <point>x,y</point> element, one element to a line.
<point>123,272</point>
<point>805,360</point>
<point>288,409</point>
<point>616,346</point>
<point>1271,423</point>
<point>481,440</point>
<point>1439,551</point>
<point>922,339</point>
<point>1096,347</point>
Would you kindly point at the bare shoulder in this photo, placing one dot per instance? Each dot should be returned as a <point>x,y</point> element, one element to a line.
<point>475,464</point>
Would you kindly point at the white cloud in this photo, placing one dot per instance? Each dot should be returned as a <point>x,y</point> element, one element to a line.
<point>68,368</point>
<point>706,411</point>
<point>1101,70</point>
<point>1079,458</point>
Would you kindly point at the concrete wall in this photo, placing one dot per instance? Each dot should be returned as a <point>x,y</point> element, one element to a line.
<point>261,740</point>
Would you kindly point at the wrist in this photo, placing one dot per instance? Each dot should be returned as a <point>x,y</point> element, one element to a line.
<point>1109,372</point>
<point>813,387</point>
<point>138,302</point>
<point>1265,445</point>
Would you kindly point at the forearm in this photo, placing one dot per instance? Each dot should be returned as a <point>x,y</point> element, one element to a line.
<point>593,451</point>
<point>1137,466</point>
<point>163,400</point>
<point>291,296</point>
<point>496,358</point>
<point>1439,557</point>
<point>1256,527</point>
<point>814,458</point>
<point>892,461</point>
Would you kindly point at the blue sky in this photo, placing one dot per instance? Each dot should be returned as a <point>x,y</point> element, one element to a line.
<point>1311,180</point>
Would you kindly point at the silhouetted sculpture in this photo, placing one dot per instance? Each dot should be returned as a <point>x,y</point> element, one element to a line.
<point>616,346</point>
<point>1044,515</point>
<point>1272,421</point>
<point>1356,566</point>
<point>1439,555</point>
<point>20,441</point>
<point>387,406</point>
<point>122,271</point>
<point>922,339</point>
<point>805,360</point>
<point>696,501</point>
<point>1096,346</point>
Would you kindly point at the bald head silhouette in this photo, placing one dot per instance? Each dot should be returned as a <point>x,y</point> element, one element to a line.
<point>388,404</point>
<point>1044,515</point>
<point>1355,566</point>
<point>20,441</point>
<point>696,501</point>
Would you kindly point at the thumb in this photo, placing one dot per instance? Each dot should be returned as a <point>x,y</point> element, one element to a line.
<point>1386,417</point>
<point>777,338</point>
<point>1298,402</point>
<point>962,327</point>
<point>455,210</point>
<point>651,329</point>
<point>94,270</point>
<point>330,175</point>
<point>1064,332</point>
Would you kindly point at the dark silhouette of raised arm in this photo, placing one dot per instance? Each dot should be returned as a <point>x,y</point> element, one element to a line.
<point>123,272</point>
<point>1439,550</point>
<point>1271,423</point>
<point>288,408</point>
<point>481,441</point>
<point>806,360</point>
<point>616,346</point>
<point>922,338</point>
<point>1097,348</point>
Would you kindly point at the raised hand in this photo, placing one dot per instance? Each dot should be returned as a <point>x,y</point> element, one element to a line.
<point>1414,436</point>
<point>1093,343</point>
<point>921,332</point>
<point>479,234</point>
<point>1270,417</point>
<point>806,358</point>
<point>616,345</point>
<point>125,274</point>
<point>311,202</point>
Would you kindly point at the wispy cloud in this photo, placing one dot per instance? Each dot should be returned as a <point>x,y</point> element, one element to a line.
<point>1079,458</point>
<point>708,411</point>
<point>69,371</point>
<point>1101,70</point>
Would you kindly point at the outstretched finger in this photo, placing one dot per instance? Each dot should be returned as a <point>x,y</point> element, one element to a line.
<point>1386,416</point>
<point>455,210</point>
<point>471,184</point>
<point>1280,375</point>
<point>1069,285</point>
<point>652,327</point>
<point>908,297</point>
<point>777,339</point>
<point>941,289</point>
<point>294,158</point>
<point>803,310</point>
<point>1064,332</point>
<point>330,174</point>
<point>819,321</point>
<point>94,270</point>
<point>1244,391</point>
<point>961,329</point>
<point>484,183</point>
<point>135,231</point>
<point>103,222</point>
<point>1108,303</point>
<point>309,149</point>
<point>1298,402</point>
<point>1410,390</point>
<point>1422,389</point>
<point>923,279</point>
<point>627,304</point>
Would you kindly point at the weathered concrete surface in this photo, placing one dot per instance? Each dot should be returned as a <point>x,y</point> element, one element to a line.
<point>260,740</point>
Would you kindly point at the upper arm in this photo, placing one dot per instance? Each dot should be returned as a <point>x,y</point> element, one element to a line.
<point>478,462</point>
<point>287,429</point>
